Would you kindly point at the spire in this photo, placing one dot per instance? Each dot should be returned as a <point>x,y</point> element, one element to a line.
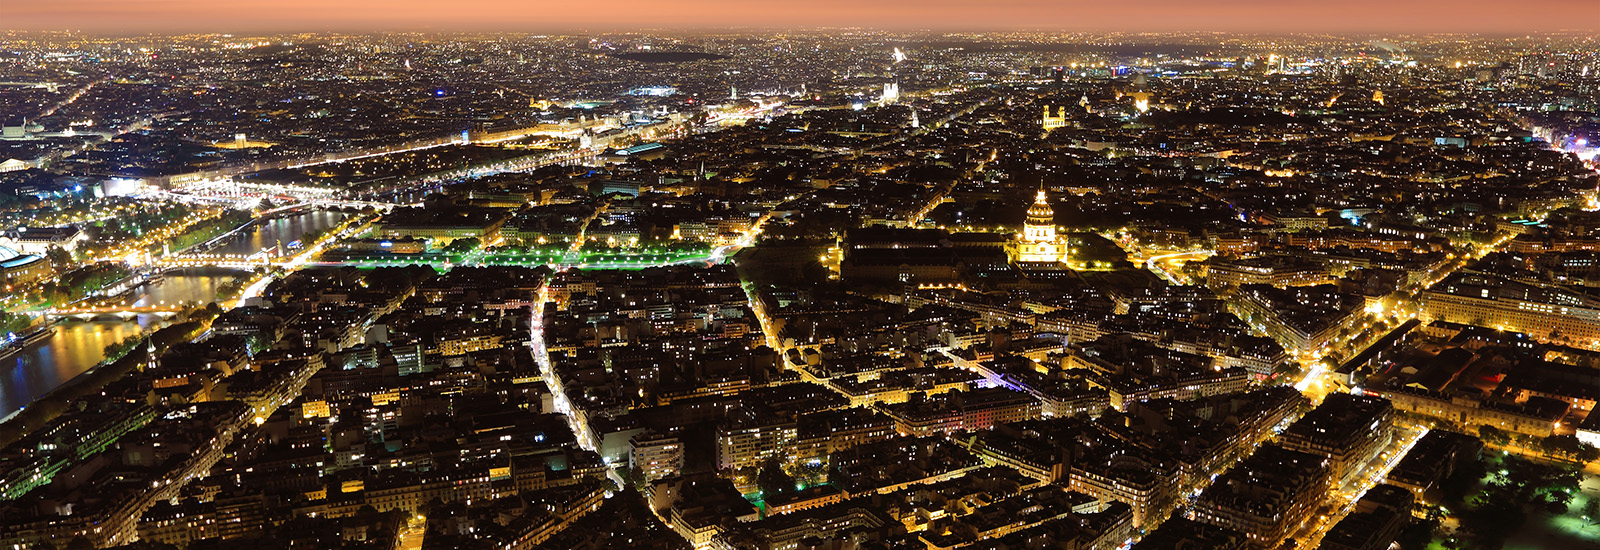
<point>1040,212</point>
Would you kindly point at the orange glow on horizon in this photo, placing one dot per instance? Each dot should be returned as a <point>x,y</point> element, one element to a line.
<point>132,16</point>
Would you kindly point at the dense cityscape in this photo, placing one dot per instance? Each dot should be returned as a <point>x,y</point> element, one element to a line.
<point>828,289</point>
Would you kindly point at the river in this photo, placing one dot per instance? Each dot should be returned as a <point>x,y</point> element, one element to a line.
<point>79,345</point>
<point>280,231</point>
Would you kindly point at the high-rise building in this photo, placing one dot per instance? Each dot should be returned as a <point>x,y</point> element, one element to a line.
<point>748,439</point>
<point>656,456</point>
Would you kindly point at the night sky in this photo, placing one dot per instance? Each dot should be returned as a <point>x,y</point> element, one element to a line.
<point>1483,16</point>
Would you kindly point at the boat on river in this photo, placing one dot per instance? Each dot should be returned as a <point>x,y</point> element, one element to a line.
<point>14,343</point>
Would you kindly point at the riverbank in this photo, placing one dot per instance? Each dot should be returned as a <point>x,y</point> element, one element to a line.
<point>50,405</point>
<point>14,344</point>
<point>204,231</point>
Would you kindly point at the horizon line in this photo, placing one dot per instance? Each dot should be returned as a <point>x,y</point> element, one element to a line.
<point>751,29</point>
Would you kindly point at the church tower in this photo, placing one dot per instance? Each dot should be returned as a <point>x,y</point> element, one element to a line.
<point>1054,117</point>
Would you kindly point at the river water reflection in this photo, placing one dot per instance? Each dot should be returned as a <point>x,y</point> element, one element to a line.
<point>79,345</point>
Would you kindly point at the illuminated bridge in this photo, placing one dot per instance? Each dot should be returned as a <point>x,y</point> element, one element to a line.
<point>218,259</point>
<point>120,312</point>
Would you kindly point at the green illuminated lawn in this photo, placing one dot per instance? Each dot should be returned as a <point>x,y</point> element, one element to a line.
<point>639,258</point>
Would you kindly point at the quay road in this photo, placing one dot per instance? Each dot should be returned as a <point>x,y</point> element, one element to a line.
<point>220,185</point>
<point>412,185</point>
<point>407,186</point>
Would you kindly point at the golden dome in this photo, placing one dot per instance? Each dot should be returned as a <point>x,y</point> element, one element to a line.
<point>1040,212</point>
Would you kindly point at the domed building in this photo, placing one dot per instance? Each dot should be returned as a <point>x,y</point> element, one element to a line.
<point>17,268</point>
<point>1038,241</point>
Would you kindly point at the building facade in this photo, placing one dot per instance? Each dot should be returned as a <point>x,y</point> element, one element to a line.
<point>1039,241</point>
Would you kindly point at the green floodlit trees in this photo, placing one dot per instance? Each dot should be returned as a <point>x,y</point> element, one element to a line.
<point>13,322</point>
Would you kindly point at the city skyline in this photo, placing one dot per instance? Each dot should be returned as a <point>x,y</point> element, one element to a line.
<point>1488,17</point>
<point>756,289</point>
